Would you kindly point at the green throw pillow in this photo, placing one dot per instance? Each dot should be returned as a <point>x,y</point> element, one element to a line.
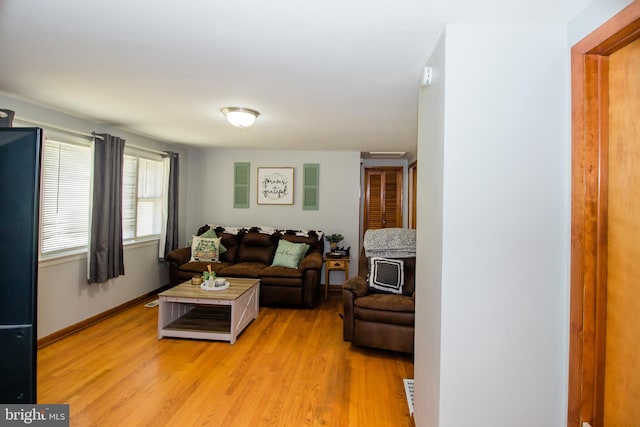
<point>289,254</point>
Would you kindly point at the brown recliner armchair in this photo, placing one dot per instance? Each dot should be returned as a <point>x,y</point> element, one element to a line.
<point>380,320</point>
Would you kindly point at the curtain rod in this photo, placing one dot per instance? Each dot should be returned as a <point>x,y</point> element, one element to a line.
<point>75,132</point>
<point>151,150</point>
<point>55,127</point>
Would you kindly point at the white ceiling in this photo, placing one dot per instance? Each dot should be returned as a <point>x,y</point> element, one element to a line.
<point>326,75</point>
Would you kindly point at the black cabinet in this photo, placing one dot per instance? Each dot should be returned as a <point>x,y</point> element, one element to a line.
<point>20,154</point>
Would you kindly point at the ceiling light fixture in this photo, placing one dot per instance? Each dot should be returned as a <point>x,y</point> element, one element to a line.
<point>239,116</point>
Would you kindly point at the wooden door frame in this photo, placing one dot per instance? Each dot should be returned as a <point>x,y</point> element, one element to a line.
<point>413,194</point>
<point>589,175</point>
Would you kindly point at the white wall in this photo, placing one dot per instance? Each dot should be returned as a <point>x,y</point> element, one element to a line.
<point>211,193</point>
<point>591,17</point>
<point>503,202</point>
<point>492,319</point>
<point>429,245</point>
<point>64,297</point>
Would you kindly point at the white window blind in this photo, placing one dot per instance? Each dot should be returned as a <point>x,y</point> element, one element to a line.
<point>142,194</point>
<point>150,180</point>
<point>66,178</point>
<point>129,191</point>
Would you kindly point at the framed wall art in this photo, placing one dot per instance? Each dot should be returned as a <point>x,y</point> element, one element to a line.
<point>275,186</point>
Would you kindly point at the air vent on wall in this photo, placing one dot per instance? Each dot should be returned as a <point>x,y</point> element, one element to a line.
<point>387,154</point>
<point>408,389</point>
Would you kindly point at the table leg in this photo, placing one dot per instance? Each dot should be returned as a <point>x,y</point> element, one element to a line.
<point>326,282</point>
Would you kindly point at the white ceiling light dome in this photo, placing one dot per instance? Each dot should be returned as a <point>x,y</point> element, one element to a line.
<point>240,116</point>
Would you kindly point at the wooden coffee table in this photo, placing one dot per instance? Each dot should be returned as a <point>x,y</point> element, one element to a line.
<point>187,311</point>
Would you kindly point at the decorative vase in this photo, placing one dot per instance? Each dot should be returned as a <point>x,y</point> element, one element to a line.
<point>208,277</point>
<point>333,246</point>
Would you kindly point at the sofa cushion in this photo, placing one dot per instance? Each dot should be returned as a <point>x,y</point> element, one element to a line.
<point>386,275</point>
<point>385,308</point>
<point>254,238</point>
<point>205,249</point>
<point>274,271</point>
<point>386,302</point>
<point>200,267</point>
<point>379,317</point>
<point>256,247</point>
<point>243,269</point>
<point>230,242</point>
<point>281,282</point>
<point>289,254</point>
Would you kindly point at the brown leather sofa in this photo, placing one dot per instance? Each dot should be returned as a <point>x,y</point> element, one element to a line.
<point>379,320</point>
<point>249,253</point>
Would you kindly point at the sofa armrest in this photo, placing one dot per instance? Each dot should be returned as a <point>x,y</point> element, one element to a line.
<point>312,261</point>
<point>179,256</point>
<point>357,285</point>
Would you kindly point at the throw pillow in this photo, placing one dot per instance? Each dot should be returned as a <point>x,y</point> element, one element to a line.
<point>386,275</point>
<point>211,234</point>
<point>289,254</point>
<point>205,249</point>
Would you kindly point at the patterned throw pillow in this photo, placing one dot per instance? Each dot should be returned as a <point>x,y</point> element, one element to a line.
<point>289,254</point>
<point>205,249</point>
<point>211,233</point>
<point>386,275</point>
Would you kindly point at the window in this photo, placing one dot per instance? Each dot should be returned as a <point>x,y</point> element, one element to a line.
<point>142,195</point>
<point>66,189</point>
<point>129,190</point>
<point>66,175</point>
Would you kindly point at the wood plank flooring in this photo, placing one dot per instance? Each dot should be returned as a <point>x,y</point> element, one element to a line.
<point>290,367</point>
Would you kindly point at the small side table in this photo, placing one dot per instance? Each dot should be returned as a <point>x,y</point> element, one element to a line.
<point>334,264</point>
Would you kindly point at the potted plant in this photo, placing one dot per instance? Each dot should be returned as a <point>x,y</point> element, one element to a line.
<point>334,239</point>
<point>208,276</point>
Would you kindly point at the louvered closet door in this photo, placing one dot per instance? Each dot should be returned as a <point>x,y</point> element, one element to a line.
<point>383,198</point>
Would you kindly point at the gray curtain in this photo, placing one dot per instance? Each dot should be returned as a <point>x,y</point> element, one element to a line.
<point>106,258</point>
<point>171,241</point>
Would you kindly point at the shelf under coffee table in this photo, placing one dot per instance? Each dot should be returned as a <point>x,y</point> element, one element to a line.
<point>187,311</point>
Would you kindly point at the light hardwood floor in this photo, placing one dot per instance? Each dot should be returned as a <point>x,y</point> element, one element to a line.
<point>290,367</point>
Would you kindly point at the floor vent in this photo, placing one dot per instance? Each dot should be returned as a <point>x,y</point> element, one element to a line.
<point>408,389</point>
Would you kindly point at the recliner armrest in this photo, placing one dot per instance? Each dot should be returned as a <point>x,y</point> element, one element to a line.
<point>357,285</point>
<point>312,261</point>
<point>179,256</point>
<point>352,289</point>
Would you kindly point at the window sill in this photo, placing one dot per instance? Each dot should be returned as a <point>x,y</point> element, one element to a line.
<point>81,254</point>
<point>62,258</point>
<point>143,241</point>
